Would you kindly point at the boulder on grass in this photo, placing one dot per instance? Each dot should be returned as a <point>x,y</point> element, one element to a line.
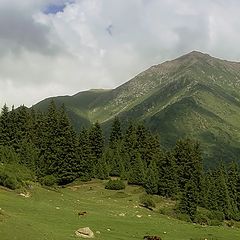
<point>84,233</point>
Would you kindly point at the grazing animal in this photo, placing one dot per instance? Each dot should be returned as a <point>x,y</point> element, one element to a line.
<point>82,213</point>
<point>151,238</point>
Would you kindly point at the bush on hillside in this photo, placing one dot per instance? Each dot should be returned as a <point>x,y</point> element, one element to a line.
<point>115,185</point>
<point>14,176</point>
<point>183,217</point>
<point>147,201</point>
<point>202,219</point>
<point>48,180</point>
<point>216,215</point>
<point>215,223</point>
<point>8,180</point>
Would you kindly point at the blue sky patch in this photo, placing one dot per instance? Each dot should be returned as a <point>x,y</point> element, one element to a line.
<point>56,8</point>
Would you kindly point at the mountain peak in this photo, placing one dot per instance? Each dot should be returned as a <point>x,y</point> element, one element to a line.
<point>195,55</point>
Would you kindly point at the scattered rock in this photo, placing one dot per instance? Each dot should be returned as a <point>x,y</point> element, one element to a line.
<point>139,216</point>
<point>149,215</point>
<point>122,214</point>
<point>98,232</point>
<point>109,229</point>
<point>26,195</point>
<point>84,233</point>
<point>57,208</point>
<point>166,233</point>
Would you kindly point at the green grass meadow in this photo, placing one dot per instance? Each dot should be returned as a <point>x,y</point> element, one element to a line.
<point>111,215</point>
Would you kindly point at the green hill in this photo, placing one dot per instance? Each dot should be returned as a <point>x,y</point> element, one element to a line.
<point>195,95</point>
<point>112,215</point>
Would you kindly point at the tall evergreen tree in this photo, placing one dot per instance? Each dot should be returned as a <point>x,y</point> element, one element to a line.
<point>223,198</point>
<point>48,161</point>
<point>189,162</point>
<point>28,154</point>
<point>189,199</point>
<point>96,142</point>
<point>137,172</point>
<point>129,147</point>
<point>167,172</point>
<point>116,133</point>
<point>233,176</point>
<point>67,163</point>
<point>4,126</point>
<point>152,179</point>
<point>85,156</point>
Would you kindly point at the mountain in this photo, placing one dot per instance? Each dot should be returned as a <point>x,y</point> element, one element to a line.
<point>195,96</point>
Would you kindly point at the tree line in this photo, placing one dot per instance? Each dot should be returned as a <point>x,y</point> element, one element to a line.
<point>46,143</point>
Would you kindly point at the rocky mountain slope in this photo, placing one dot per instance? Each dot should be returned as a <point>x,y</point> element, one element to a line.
<point>195,95</point>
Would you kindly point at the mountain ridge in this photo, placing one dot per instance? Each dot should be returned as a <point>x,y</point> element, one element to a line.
<point>195,95</point>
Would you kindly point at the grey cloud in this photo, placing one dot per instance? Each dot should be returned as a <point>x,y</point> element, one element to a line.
<point>19,31</point>
<point>107,40</point>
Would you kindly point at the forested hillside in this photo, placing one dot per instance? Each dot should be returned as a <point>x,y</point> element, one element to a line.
<point>43,147</point>
<point>195,96</point>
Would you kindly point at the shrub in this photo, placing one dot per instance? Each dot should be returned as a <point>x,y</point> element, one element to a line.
<point>115,185</point>
<point>202,219</point>
<point>216,215</point>
<point>12,183</point>
<point>48,180</point>
<point>215,223</point>
<point>9,180</point>
<point>147,201</point>
<point>183,217</point>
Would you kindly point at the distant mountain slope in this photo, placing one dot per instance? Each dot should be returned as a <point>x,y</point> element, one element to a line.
<point>195,95</point>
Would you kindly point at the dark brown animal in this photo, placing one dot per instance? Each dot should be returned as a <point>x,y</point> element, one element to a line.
<point>151,238</point>
<point>82,213</point>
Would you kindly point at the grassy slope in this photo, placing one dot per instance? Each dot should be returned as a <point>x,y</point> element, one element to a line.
<point>37,217</point>
<point>195,95</point>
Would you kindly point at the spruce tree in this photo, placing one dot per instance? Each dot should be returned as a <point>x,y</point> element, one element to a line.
<point>28,154</point>
<point>116,133</point>
<point>137,172</point>
<point>189,162</point>
<point>85,156</point>
<point>49,151</point>
<point>96,142</point>
<point>168,176</point>
<point>129,147</point>
<point>223,198</point>
<point>151,181</point>
<point>4,126</point>
<point>67,164</point>
<point>232,181</point>
<point>189,199</point>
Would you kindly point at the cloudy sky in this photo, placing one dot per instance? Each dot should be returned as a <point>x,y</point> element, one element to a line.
<point>61,47</point>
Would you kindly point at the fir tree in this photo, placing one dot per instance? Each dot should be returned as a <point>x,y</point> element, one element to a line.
<point>67,163</point>
<point>96,142</point>
<point>189,199</point>
<point>223,198</point>
<point>189,162</point>
<point>151,181</point>
<point>129,147</point>
<point>137,173</point>
<point>116,133</point>
<point>28,154</point>
<point>233,176</point>
<point>4,126</point>
<point>86,161</point>
<point>102,169</point>
<point>167,172</point>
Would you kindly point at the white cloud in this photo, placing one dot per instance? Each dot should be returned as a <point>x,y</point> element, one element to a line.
<point>103,43</point>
